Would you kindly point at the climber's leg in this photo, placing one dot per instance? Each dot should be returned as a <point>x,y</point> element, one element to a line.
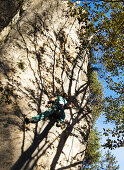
<point>42,115</point>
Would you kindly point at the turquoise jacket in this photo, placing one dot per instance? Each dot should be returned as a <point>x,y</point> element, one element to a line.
<point>60,111</point>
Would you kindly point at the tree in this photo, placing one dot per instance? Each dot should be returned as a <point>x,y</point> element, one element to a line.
<point>108,162</point>
<point>109,42</point>
<point>96,94</point>
<point>92,154</point>
<point>94,159</point>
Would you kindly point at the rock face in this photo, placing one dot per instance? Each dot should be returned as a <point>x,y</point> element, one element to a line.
<point>41,58</point>
<point>8,9</point>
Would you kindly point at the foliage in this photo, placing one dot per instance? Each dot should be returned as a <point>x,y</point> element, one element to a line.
<point>106,32</point>
<point>108,162</point>
<point>115,114</point>
<point>21,65</point>
<point>92,154</point>
<point>96,94</point>
<point>95,160</point>
<point>109,41</point>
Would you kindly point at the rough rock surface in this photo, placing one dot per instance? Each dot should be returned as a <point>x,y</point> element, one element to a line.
<point>41,58</point>
<point>8,9</point>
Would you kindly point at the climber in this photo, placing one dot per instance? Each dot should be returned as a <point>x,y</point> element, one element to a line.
<point>59,104</point>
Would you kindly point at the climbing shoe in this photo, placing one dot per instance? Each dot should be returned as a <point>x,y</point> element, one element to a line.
<point>29,120</point>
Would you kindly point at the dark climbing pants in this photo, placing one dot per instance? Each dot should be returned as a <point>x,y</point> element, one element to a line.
<point>58,114</point>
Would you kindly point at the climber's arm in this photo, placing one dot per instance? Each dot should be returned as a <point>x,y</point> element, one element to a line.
<point>52,100</point>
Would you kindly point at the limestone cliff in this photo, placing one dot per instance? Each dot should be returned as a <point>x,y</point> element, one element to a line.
<point>41,58</point>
